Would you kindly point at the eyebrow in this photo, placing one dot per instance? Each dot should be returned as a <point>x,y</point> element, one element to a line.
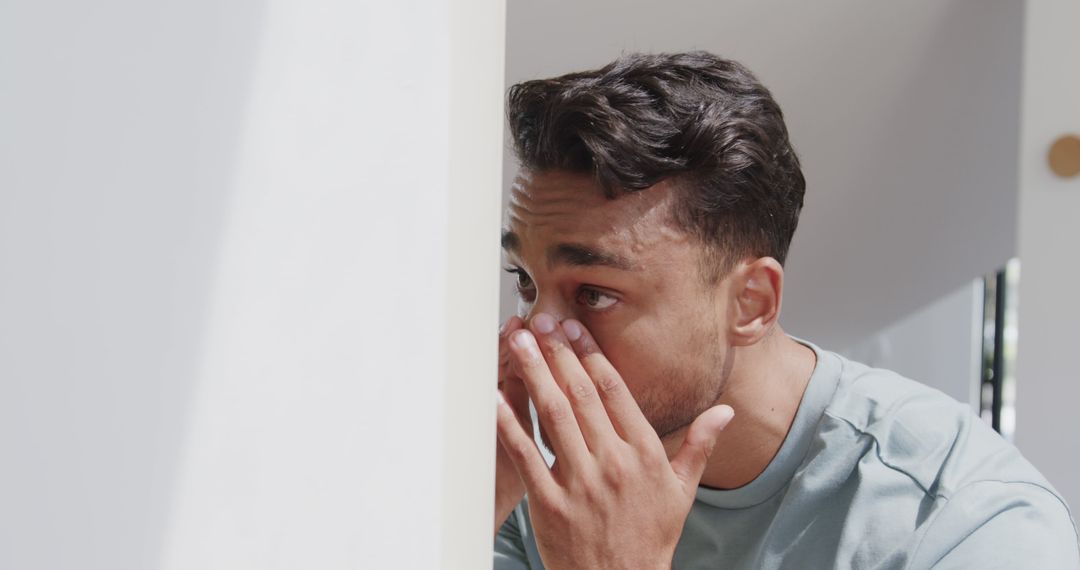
<point>573,254</point>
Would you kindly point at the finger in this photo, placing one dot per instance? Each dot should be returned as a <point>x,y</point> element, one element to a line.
<point>552,407</point>
<point>513,321</point>
<point>592,418</point>
<point>512,324</point>
<point>689,463</point>
<point>622,409</point>
<point>511,387</point>
<point>522,451</point>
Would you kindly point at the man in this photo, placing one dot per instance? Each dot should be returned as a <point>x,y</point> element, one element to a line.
<point>647,229</point>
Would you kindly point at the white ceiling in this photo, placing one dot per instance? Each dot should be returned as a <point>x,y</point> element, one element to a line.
<point>905,116</point>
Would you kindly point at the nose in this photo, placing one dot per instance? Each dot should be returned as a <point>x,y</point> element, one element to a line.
<point>552,305</point>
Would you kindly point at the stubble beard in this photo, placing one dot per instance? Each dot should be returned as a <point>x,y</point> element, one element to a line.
<point>679,397</point>
<point>676,398</point>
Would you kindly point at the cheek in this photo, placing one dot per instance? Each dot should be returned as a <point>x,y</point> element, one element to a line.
<point>640,353</point>
<point>648,354</point>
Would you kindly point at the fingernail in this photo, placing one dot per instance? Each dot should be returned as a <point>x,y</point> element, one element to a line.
<point>524,341</point>
<point>572,329</point>
<point>544,323</point>
<point>500,400</point>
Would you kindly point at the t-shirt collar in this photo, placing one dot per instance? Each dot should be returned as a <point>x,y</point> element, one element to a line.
<point>819,392</point>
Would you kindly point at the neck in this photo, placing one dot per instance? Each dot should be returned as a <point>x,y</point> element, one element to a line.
<point>765,388</point>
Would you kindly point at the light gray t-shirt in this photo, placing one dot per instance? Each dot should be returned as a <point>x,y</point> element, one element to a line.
<point>877,471</point>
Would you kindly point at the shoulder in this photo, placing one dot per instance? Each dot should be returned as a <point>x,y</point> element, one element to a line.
<point>938,442</point>
<point>986,493</point>
<point>1004,524</point>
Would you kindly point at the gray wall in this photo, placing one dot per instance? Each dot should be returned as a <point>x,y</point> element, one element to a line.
<point>905,115</point>
<point>939,345</point>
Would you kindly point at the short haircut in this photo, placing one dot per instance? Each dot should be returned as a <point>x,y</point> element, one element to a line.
<point>702,122</point>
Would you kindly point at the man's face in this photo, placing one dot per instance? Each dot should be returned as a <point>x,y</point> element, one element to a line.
<point>624,270</point>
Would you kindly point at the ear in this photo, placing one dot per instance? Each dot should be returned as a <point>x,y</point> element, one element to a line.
<point>757,289</point>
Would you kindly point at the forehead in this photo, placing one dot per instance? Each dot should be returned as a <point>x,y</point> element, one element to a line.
<point>549,207</point>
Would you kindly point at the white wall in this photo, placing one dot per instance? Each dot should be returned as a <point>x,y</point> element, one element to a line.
<point>939,345</point>
<point>238,286</point>
<point>1047,375</point>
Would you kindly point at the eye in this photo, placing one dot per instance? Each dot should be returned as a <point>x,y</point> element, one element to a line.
<point>595,300</point>
<point>524,282</point>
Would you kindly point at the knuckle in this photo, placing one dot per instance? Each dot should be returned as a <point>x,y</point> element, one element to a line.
<point>615,471</point>
<point>555,412</point>
<point>608,384</point>
<point>554,346</point>
<point>530,362</point>
<point>648,440</point>
<point>582,391</point>
<point>594,488</point>
<point>654,456</point>
<point>520,450</point>
<point>554,506</point>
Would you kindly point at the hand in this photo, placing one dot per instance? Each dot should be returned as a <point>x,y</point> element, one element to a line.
<point>509,488</point>
<point>612,499</point>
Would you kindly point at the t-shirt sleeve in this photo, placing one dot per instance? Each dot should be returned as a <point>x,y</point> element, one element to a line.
<point>509,545</point>
<point>992,524</point>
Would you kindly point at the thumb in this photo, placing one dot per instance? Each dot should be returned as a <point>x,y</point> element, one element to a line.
<point>689,462</point>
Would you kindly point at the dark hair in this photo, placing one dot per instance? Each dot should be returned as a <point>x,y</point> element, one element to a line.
<point>704,122</point>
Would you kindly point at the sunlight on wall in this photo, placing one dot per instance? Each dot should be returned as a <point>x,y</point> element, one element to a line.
<point>319,402</point>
